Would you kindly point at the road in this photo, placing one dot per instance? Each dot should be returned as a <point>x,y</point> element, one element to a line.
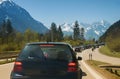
<point>5,71</point>
<point>100,57</point>
<point>88,73</point>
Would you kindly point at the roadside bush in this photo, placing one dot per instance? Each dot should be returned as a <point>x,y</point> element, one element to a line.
<point>8,47</point>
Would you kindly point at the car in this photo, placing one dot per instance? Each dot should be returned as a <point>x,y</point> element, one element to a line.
<point>47,60</point>
<point>77,49</point>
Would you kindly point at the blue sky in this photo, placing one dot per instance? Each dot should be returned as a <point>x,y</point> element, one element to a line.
<point>61,11</point>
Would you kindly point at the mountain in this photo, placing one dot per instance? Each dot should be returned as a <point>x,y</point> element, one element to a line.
<point>94,30</point>
<point>112,32</point>
<point>19,17</point>
<point>67,29</point>
<point>112,37</point>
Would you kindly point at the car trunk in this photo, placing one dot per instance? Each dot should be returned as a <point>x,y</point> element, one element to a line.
<point>45,68</point>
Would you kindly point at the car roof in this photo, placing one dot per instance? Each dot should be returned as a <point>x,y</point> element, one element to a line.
<point>60,43</point>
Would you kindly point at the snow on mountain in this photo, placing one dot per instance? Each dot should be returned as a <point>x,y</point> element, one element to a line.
<point>100,27</point>
<point>94,30</point>
<point>67,27</point>
<point>19,17</point>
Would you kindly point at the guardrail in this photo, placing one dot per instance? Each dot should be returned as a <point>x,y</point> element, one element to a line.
<point>8,58</point>
<point>112,68</point>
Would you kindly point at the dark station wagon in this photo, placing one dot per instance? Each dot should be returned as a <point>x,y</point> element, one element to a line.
<point>47,60</point>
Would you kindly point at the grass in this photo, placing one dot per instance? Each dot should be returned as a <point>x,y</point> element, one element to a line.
<point>105,50</point>
<point>95,65</point>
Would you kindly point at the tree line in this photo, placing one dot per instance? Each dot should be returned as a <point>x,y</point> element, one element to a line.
<point>11,39</point>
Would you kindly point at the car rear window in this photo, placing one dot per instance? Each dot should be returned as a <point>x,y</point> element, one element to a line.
<point>31,52</point>
<point>47,51</point>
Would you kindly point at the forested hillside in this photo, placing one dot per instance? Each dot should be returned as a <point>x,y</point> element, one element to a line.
<point>112,37</point>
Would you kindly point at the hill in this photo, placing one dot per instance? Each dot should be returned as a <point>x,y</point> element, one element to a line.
<point>112,37</point>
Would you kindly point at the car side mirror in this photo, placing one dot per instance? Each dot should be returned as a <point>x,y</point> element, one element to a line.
<point>79,58</point>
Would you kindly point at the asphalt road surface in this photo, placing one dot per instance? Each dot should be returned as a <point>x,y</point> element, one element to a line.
<point>5,71</point>
<point>99,57</point>
<point>88,72</point>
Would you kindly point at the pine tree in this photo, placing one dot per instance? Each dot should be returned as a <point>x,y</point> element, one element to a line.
<point>2,32</point>
<point>2,29</point>
<point>6,31</point>
<point>53,32</point>
<point>9,28</point>
<point>76,31</point>
<point>60,34</point>
<point>82,31</point>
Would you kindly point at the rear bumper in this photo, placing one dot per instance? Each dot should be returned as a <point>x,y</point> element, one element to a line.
<point>77,75</point>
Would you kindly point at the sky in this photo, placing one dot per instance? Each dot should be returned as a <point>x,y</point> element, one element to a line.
<point>68,11</point>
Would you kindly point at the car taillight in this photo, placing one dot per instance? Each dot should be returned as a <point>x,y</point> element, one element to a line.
<point>72,67</point>
<point>17,67</point>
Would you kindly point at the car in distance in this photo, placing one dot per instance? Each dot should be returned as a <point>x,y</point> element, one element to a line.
<point>47,60</point>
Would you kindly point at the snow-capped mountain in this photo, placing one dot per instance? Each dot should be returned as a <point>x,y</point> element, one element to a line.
<point>67,27</point>
<point>94,30</point>
<point>19,17</point>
